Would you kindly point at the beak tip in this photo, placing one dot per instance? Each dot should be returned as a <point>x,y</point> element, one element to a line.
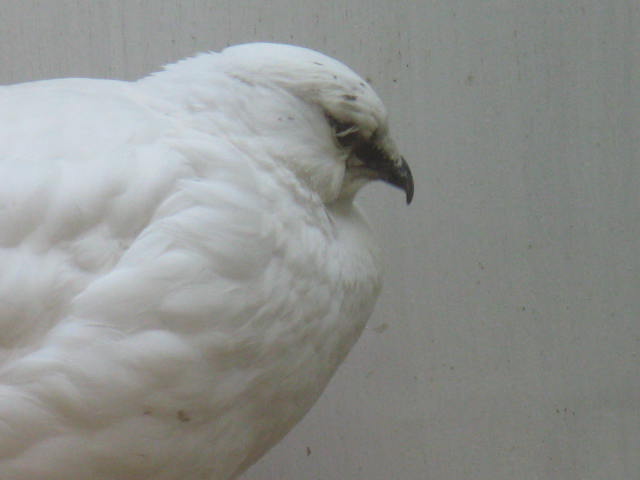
<point>408,184</point>
<point>409,193</point>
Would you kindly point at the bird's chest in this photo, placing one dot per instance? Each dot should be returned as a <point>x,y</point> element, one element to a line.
<point>305,311</point>
<point>320,293</point>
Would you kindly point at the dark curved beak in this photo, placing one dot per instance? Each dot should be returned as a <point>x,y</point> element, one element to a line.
<point>380,157</point>
<point>400,176</point>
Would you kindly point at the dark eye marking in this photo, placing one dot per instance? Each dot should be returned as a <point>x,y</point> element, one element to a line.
<point>367,150</point>
<point>347,133</point>
<point>371,154</point>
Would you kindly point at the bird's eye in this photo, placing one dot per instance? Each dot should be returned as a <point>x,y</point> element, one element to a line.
<point>347,134</point>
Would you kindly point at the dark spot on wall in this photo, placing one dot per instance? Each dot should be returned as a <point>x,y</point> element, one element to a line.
<point>183,416</point>
<point>470,80</point>
<point>566,411</point>
<point>308,451</point>
<point>381,328</point>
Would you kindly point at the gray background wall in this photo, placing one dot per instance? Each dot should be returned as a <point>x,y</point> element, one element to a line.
<point>506,343</point>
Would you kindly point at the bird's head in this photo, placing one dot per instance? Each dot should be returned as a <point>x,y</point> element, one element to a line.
<point>352,114</point>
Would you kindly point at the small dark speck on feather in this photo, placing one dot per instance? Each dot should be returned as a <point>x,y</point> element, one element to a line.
<point>351,98</point>
<point>317,63</point>
<point>183,416</point>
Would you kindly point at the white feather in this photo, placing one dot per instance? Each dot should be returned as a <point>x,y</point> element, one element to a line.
<point>180,274</point>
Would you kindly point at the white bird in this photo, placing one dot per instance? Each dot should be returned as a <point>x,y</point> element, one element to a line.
<point>182,264</point>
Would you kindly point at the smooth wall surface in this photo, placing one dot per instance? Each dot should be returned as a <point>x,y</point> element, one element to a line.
<point>506,344</point>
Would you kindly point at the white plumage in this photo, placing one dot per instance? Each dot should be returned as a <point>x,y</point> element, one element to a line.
<point>182,266</point>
